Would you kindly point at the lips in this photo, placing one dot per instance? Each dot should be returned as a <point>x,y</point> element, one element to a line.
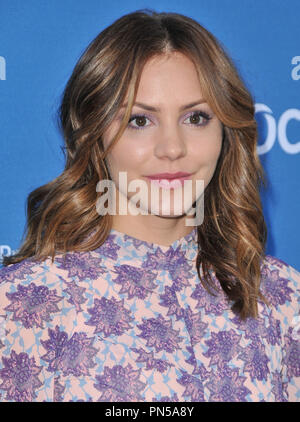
<point>169,180</point>
<point>168,176</point>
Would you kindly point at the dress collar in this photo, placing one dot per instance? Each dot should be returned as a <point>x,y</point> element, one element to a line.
<point>183,241</point>
<point>120,245</point>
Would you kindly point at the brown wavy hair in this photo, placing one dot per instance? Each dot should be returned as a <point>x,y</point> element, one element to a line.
<point>62,216</point>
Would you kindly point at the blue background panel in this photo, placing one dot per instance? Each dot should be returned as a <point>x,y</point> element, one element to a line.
<point>41,41</point>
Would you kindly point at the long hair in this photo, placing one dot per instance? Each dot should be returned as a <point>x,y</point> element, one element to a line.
<point>62,216</point>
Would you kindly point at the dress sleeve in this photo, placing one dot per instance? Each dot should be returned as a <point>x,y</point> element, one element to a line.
<point>291,337</point>
<point>27,302</point>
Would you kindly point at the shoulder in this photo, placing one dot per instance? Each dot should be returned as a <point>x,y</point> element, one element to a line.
<point>49,276</point>
<point>33,292</point>
<point>271,260</point>
<point>26,270</point>
<point>280,284</point>
<point>64,266</point>
<point>28,282</point>
<point>274,271</point>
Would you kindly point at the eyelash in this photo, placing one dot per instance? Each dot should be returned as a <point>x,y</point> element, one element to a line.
<point>194,113</point>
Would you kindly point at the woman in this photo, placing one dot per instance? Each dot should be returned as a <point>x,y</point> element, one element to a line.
<point>128,306</point>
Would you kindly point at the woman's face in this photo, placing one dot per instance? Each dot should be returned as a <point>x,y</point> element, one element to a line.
<point>169,139</point>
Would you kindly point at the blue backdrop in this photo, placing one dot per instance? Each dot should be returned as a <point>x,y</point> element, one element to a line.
<point>41,41</point>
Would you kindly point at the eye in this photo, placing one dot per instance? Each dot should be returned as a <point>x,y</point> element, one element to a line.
<point>198,118</point>
<point>140,120</point>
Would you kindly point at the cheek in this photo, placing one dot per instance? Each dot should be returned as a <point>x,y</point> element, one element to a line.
<point>130,155</point>
<point>125,158</point>
<point>207,153</point>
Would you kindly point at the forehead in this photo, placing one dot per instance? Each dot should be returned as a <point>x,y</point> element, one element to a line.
<point>169,74</point>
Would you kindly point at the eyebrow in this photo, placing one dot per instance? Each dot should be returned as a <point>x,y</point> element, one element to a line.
<point>151,108</point>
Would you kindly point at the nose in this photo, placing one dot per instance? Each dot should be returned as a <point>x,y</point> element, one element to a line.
<point>170,143</point>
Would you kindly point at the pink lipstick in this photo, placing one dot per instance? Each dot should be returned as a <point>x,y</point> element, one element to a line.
<point>169,180</point>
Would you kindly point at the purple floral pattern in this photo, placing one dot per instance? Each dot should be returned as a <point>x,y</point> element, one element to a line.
<point>135,282</point>
<point>18,271</point>
<point>82,265</point>
<point>193,387</point>
<point>172,261</point>
<point>279,387</point>
<point>256,361</point>
<point>74,356</point>
<point>58,390</point>
<point>159,334</point>
<point>174,398</point>
<point>109,316</point>
<point>211,304</point>
<point>194,325</point>
<point>119,384</point>
<point>275,288</point>
<point>273,332</point>
<point>222,347</point>
<point>33,304</point>
<point>275,261</point>
<point>157,260</point>
<point>20,377</point>
<point>151,362</point>
<point>131,321</point>
<point>291,355</point>
<point>179,269</point>
<point>227,386</point>
<point>253,328</point>
<point>76,294</point>
<point>109,248</point>
<point>170,301</point>
<point>136,242</point>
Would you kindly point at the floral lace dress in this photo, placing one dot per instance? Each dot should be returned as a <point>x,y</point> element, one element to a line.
<point>130,321</point>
